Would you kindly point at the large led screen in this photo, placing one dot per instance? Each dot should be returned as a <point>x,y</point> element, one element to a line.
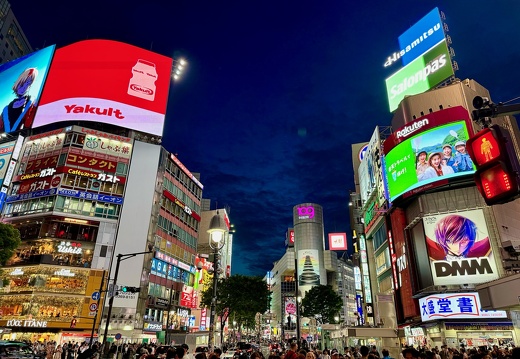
<point>420,75</point>
<point>109,82</point>
<point>459,248</point>
<point>428,155</point>
<point>22,81</point>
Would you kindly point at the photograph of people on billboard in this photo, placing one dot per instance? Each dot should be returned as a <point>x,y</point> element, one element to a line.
<point>459,248</point>
<point>23,81</point>
<point>431,155</point>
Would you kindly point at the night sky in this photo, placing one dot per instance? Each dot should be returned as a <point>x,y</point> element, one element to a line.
<point>277,91</point>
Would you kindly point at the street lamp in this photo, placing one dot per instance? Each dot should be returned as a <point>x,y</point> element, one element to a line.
<point>120,258</point>
<point>217,229</point>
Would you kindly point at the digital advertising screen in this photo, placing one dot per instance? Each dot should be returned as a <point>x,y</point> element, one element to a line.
<point>308,269</point>
<point>109,82</point>
<point>420,75</point>
<point>428,152</point>
<point>459,248</point>
<point>22,81</point>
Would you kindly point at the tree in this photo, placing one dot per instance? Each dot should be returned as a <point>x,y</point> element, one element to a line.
<point>9,241</point>
<point>241,296</point>
<point>321,303</point>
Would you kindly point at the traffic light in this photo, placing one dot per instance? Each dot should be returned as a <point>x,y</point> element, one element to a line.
<point>497,165</point>
<point>130,289</point>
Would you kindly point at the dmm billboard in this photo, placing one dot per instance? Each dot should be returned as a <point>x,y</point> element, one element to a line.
<point>109,82</point>
<point>422,74</point>
<point>427,151</point>
<point>459,248</point>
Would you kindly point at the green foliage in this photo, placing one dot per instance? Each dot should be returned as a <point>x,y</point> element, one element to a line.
<point>9,241</point>
<point>242,296</point>
<point>321,302</point>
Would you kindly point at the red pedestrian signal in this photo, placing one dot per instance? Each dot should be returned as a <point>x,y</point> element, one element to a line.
<point>497,165</point>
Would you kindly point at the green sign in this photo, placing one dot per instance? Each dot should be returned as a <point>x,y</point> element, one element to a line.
<point>407,165</point>
<point>422,74</point>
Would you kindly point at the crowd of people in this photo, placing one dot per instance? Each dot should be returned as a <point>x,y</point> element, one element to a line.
<point>52,350</point>
<point>437,164</point>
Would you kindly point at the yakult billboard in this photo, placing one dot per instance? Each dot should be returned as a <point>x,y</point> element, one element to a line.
<point>459,248</point>
<point>109,82</point>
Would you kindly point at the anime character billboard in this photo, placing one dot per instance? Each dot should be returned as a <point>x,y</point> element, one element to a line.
<point>22,81</point>
<point>459,248</point>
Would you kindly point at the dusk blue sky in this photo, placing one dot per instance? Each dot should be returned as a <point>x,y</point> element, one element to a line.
<point>277,91</point>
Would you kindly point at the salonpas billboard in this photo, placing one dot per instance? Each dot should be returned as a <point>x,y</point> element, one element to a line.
<point>422,74</point>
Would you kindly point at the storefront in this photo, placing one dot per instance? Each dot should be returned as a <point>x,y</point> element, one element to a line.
<point>480,334</point>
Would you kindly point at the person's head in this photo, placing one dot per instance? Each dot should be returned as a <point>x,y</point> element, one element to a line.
<point>294,346</point>
<point>421,157</point>
<point>460,147</point>
<point>434,159</point>
<point>385,352</point>
<point>364,350</point>
<point>446,150</point>
<point>24,81</point>
<point>218,351</point>
<point>456,234</point>
<point>410,353</point>
<point>310,355</point>
<point>334,354</point>
<point>185,347</point>
<point>179,352</point>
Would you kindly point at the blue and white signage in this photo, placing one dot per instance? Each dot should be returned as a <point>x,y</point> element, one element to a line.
<point>455,306</point>
<point>418,39</point>
<point>90,196</point>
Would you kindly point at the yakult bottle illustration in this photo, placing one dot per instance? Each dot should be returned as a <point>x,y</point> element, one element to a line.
<point>142,83</point>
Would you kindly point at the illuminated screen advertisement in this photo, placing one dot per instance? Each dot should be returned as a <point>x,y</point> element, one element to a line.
<point>427,152</point>
<point>421,37</point>
<point>422,74</point>
<point>459,248</point>
<point>338,241</point>
<point>455,306</point>
<point>108,82</point>
<point>22,81</point>
<point>308,269</point>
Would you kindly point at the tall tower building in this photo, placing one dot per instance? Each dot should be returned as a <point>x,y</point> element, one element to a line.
<point>309,246</point>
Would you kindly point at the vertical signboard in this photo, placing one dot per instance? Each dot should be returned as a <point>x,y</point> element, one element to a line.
<point>308,269</point>
<point>459,248</point>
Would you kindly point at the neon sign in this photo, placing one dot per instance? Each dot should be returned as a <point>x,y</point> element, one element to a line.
<point>305,212</point>
<point>68,247</point>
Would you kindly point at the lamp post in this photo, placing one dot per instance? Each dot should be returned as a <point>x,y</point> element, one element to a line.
<point>120,258</point>
<point>216,231</point>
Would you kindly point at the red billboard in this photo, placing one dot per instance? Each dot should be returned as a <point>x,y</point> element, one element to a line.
<point>107,81</point>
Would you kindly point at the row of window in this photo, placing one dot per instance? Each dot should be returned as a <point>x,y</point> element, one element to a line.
<point>63,204</point>
<point>174,250</point>
<point>179,213</point>
<point>183,178</point>
<point>174,230</point>
<point>178,193</point>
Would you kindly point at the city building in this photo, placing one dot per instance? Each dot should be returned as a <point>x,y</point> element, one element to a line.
<point>13,43</point>
<point>105,213</point>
